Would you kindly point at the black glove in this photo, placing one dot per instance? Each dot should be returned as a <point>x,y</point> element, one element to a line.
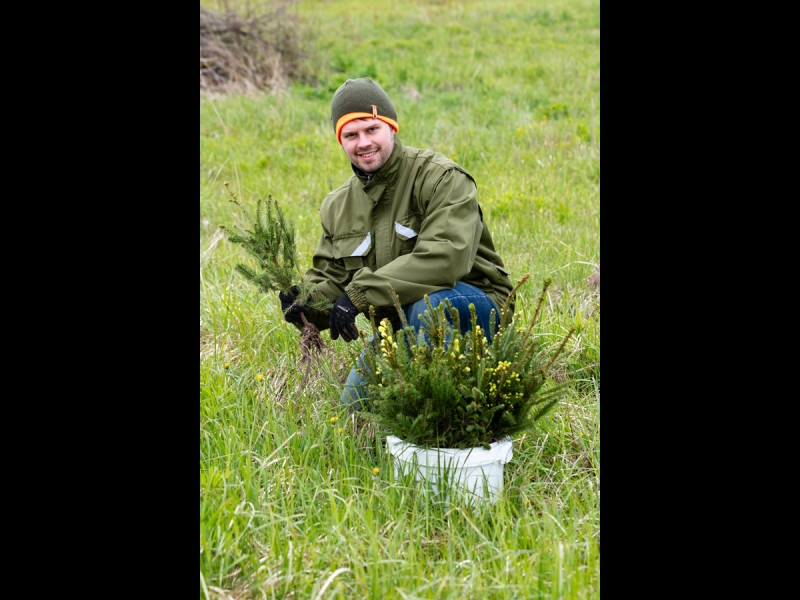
<point>343,319</point>
<point>291,311</point>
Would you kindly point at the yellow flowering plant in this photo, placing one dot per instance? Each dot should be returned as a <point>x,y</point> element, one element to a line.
<point>441,388</point>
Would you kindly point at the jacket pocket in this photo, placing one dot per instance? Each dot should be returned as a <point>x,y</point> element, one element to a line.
<point>406,231</point>
<point>351,249</point>
<point>500,277</point>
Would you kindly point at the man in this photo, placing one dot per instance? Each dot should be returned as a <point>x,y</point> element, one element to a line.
<point>407,218</point>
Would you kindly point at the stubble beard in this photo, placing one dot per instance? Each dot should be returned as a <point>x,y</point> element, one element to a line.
<point>372,169</point>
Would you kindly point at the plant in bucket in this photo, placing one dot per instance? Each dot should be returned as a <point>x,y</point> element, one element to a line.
<point>451,402</point>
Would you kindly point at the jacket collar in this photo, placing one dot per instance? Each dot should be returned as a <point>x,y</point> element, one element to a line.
<point>387,173</point>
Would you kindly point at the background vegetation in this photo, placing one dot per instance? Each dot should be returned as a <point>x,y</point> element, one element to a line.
<point>296,499</point>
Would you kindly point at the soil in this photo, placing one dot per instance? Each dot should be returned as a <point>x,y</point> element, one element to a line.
<point>311,343</point>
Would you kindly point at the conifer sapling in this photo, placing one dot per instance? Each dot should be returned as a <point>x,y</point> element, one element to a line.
<point>441,388</point>
<point>271,241</point>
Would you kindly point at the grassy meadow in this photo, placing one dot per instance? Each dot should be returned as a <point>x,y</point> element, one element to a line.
<point>299,500</point>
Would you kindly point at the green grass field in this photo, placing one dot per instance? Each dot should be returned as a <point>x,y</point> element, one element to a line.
<point>291,505</point>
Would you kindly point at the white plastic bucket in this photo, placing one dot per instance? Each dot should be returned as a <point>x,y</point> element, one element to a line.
<point>477,472</point>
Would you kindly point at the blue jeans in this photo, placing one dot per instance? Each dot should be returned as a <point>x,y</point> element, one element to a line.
<point>461,296</point>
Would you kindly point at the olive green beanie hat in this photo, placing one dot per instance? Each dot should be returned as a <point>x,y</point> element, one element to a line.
<point>361,99</point>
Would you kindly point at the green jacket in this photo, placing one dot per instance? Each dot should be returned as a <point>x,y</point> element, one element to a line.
<point>416,225</point>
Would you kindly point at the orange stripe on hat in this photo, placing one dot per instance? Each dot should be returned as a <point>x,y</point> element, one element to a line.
<point>363,115</point>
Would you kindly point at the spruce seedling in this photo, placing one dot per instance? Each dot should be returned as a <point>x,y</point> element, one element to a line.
<point>270,239</point>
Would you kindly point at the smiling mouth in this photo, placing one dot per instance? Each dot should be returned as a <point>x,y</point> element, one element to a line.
<point>368,155</point>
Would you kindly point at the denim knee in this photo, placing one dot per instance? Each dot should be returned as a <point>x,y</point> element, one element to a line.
<point>461,296</point>
<point>354,393</point>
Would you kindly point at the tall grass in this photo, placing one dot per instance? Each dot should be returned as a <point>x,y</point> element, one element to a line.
<point>290,505</point>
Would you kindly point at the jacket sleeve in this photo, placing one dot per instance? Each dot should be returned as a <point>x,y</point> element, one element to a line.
<point>447,243</point>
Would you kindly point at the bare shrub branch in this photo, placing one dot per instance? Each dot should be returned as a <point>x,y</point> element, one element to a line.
<point>259,50</point>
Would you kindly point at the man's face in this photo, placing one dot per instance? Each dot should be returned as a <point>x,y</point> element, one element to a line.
<point>368,143</point>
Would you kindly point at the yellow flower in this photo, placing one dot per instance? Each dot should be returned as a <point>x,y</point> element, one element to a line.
<point>227,365</point>
<point>376,470</point>
<point>259,377</point>
<point>340,430</point>
<point>333,419</point>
